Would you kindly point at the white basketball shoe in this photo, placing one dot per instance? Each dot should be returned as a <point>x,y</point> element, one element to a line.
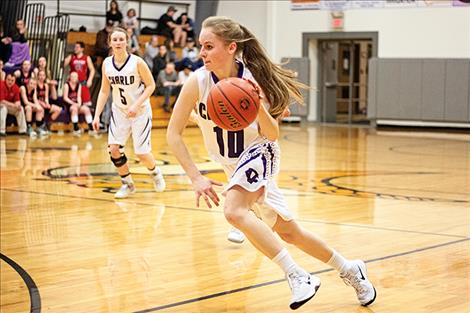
<point>356,277</point>
<point>125,190</point>
<point>158,181</point>
<point>303,286</point>
<point>235,235</point>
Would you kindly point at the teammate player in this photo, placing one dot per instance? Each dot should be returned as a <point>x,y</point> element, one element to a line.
<point>252,167</point>
<point>132,84</point>
<point>43,97</point>
<point>82,64</point>
<point>73,98</point>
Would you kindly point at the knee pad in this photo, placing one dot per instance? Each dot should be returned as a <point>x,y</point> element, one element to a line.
<point>121,160</point>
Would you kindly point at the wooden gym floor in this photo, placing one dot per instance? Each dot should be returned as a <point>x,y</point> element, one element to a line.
<point>400,201</point>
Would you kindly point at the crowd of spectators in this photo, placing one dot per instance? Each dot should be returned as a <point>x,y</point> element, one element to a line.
<point>29,92</point>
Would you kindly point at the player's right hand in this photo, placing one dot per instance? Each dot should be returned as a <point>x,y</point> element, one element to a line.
<point>203,187</point>
<point>96,124</point>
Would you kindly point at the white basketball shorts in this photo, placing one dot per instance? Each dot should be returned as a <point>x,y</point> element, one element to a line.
<point>120,127</point>
<point>256,169</point>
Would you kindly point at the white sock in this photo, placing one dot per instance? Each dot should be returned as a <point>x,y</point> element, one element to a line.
<point>74,118</point>
<point>155,171</point>
<point>285,261</point>
<point>127,180</point>
<point>88,119</point>
<point>338,262</point>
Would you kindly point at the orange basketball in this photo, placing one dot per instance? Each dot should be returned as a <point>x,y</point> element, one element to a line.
<point>233,103</point>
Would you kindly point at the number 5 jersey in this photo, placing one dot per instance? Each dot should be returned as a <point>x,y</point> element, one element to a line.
<point>126,83</point>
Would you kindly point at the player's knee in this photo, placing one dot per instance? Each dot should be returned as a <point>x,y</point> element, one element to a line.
<point>117,155</point>
<point>233,215</point>
<point>288,237</point>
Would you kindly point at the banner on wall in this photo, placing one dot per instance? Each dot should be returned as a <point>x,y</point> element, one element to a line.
<point>461,3</point>
<point>342,5</point>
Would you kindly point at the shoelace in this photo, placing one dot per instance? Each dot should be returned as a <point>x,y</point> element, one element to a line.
<point>295,280</point>
<point>354,281</point>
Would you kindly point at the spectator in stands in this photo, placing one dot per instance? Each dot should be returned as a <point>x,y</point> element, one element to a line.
<point>19,44</point>
<point>132,43</point>
<point>151,51</point>
<point>101,44</point>
<point>29,100</point>
<point>190,56</point>
<point>73,99</point>
<point>83,66</point>
<point>168,85</point>
<point>187,24</point>
<point>114,15</point>
<point>24,73</point>
<point>184,74</point>
<point>5,47</point>
<point>170,48</point>
<point>10,104</point>
<point>52,83</point>
<point>167,27</point>
<point>2,72</point>
<point>130,21</point>
<point>160,61</point>
<point>43,98</point>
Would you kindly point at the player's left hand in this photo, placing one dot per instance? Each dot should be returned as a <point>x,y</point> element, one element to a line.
<point>132,111</point>
<point>88,84</point>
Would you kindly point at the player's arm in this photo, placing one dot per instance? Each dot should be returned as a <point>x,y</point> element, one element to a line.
<point>181,113</point>
<point>102,98</point>
<point>67,60</point>
<point>46,100</point>
<point>147,78</point>
<point>66,95</point>
<point>35,99</point>
<point>79,95</point>
<point>91,68</point>
<point>24,97</point>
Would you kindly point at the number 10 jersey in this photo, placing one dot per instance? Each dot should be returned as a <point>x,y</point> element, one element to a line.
<point>126,83</point>
<point>223,146</point>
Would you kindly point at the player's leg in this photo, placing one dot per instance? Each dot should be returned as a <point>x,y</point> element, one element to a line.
<point>85,110</point>
<point>141,136</point>
<point>354,273</point>
<point>119,131</point>
<point>74,117</point>
<point>234,235</point>
<point>55,111</point>
<point>29,121</point>
<point>40,120</point>
<point>236,210</point>
<point>3,119</point>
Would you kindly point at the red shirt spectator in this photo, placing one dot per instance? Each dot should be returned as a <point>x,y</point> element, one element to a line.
<point>11,94</point>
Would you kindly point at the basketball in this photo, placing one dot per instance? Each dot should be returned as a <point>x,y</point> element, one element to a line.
<point>233,103</point>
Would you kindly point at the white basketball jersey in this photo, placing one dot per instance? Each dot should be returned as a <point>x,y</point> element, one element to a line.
<point>126,84</point>
<point>223,146</point>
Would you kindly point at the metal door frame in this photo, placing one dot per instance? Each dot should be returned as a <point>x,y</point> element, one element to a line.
<point>306,37</point>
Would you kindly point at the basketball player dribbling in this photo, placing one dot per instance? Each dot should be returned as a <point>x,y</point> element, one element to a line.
<point>132,84</point>
<point>231,50</point>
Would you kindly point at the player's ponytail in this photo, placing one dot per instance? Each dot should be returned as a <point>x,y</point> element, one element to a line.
<point>278,84</point>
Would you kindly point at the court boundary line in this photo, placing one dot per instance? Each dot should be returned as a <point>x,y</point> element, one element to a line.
<point>34,296</point>
<point>223,293</point>
<point>221,212</point>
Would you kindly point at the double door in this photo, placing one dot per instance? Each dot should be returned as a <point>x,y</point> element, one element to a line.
<point>344,78</point>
